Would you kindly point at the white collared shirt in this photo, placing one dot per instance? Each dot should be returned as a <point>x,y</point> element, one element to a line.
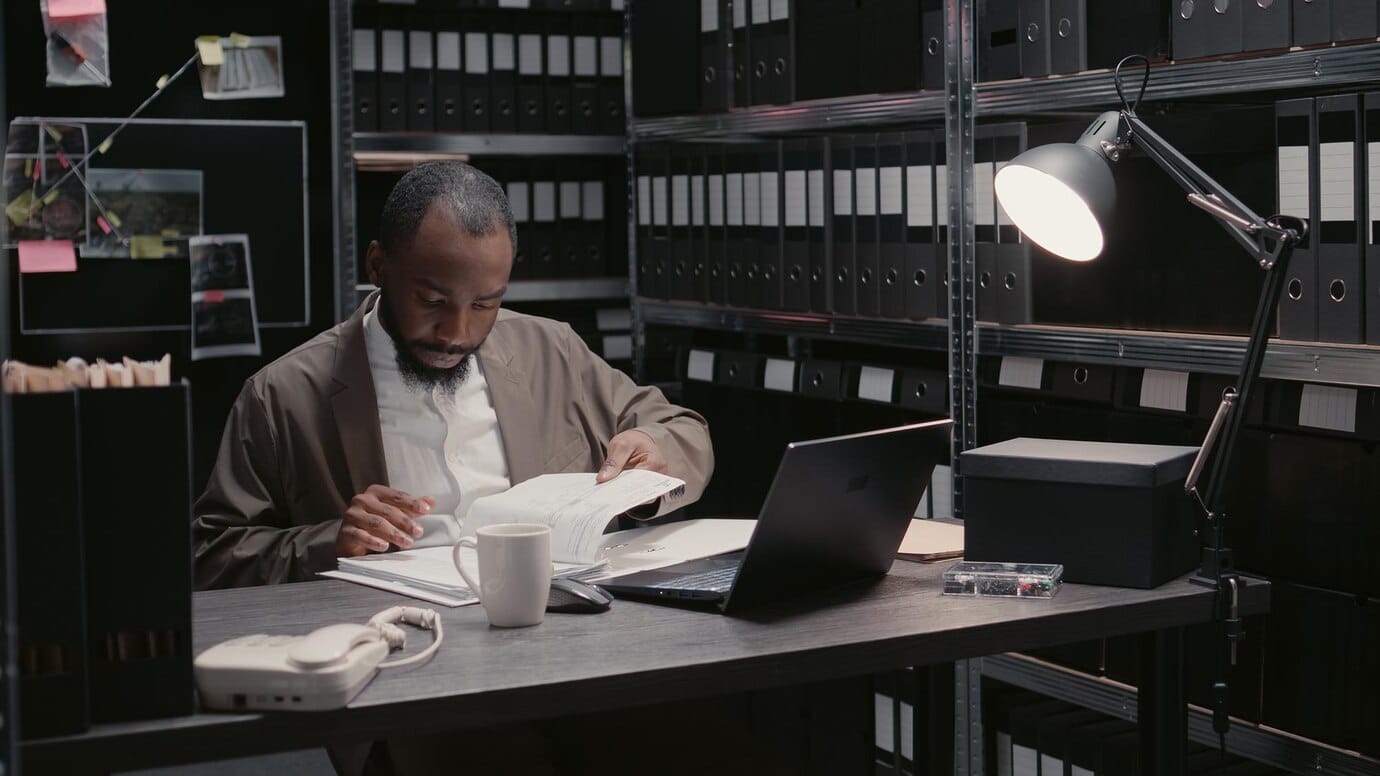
<point>449,448</point>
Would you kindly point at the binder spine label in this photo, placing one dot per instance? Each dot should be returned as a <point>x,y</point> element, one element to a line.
<point>779,375</point>
<point>843,192</point>
<point>771,204</point>
<point>1293,180</point>
<point>1328,407</point>
<point>544,201</point>
<point>716,200</point>
<point>752,199</point>
<point>658,201</point>
<point>984,195</point>
<point>889,191</point>
<point>866,180</point>
<point>1337,175</point>
<point>815,184</point>
<point>941,194</point>
<point>570,199</point>
<point>529,55</point>
<point>1021,372</point>
<point>586,56</point>
<point>644,200</point>
<point>558,55</point>
<point>796,207</point>
<point>709,15</point>
<point>875,383</point>
<point>517,200</point>
<point>611,56</point>
<point>920,195</point>
<point>504,54</point>
<point>476,53</point>
<point>363,55</point>
<point>734,182</point>
<point>592,199</point>
<point>1373,190</point>
<point>697,200</point>
<point>780,9</point>
<point>448,51</point>
<point>1162,389</point>
<point>700,366</point>
<point>740,14</point>
<point>761,11</point>
<point>393,52</point>
<point>680,200</point>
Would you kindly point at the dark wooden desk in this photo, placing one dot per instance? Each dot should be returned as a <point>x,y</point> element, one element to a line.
<point>633,655</point>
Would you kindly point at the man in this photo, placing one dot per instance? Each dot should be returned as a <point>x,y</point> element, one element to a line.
<point>382,431</point>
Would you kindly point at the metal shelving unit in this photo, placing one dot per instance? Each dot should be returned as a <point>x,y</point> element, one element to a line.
<point>551,290</point>
<point>1276,748</point>
<point>922,335</point>
<point>413,145</point>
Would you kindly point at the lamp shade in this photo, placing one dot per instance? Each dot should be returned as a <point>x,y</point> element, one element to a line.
<point>1061,196</point>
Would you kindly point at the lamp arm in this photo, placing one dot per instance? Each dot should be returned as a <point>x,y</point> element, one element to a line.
<point>1254,233</point>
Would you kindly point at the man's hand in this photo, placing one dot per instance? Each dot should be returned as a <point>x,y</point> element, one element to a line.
<point>631,449</point>
<point>380,516</point>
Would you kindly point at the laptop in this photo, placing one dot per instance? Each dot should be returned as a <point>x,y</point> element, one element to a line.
<point>836,512</point>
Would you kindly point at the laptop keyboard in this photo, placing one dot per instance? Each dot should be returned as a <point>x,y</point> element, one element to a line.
<point>714,581</point>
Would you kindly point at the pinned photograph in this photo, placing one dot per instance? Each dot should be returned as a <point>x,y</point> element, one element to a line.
<point>148,214</point>
<point>225,319</point>
<point>240,67</point>
<point>45,198</point>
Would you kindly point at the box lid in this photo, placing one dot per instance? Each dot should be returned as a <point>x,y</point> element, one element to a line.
<point>1065,460</point>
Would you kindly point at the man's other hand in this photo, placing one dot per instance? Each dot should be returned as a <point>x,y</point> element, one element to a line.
<point>632,449</point>
<point>378,517</point>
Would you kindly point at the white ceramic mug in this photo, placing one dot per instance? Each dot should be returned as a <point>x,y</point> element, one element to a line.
<point>514,571</point>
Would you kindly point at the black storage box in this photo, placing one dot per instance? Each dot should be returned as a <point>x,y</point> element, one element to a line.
<point>1112,514</point>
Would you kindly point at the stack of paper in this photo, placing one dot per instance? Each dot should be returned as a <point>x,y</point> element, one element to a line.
<point>430,574</point>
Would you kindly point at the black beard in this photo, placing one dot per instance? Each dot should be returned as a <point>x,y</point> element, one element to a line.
<point>415,374</point>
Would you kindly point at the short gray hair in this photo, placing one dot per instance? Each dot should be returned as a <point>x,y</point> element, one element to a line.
<point>475,202</point>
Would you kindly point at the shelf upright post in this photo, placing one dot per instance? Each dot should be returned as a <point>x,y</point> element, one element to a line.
<point>343,204</point>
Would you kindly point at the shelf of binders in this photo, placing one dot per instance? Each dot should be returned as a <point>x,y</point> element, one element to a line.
<point>374,148</point>
<point>922,335</point>
<point>553,290</point>
<point>1302,69</point>
<point>1318,362</point>
<point>1245,739</point>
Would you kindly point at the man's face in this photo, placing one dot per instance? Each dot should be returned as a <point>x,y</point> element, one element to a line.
<point>440,296</point>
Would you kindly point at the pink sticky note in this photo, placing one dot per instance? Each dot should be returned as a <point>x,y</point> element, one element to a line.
<point>63,9</point>
<point>47,256</point>
<point>213,297</point>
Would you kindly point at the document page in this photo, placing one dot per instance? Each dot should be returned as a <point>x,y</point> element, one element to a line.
<point>575,507</point>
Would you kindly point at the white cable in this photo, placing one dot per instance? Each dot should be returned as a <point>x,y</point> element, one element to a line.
<point>397,638</point>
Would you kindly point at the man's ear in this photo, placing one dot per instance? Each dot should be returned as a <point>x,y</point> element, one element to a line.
<point>374,263</point>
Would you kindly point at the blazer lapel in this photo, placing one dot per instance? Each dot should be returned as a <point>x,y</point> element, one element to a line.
<point>517,415</point>
<point>356,406</point>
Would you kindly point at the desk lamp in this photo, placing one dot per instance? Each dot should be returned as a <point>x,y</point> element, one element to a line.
<point>1062,196</point>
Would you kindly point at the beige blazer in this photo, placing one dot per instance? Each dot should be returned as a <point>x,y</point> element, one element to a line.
<point>303,438</point>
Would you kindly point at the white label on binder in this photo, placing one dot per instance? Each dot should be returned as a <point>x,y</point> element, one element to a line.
<point>504,51</point>
<point>882,716</point>
<point>875,383</point>
<point>700,366</point>
<point>529,55</point>
<point>1373,176</point>
<point>418,50</point>
<point>771,200</point>
<point>615,5</point>
<point>618,347</point>
<point>734,182</point>
<point>816,186</point>
<point>1076,771</point>
<point>586,55</point>
<point>795,198</point>
<point>362,51</point>
<point>1050,764</point>
<point>1293,180</point>
<point>1003,754</point>
<point>919,195</point>
<point>1337,175</point>
<point>644,200</point>
<point>570,199</point>
<point>779,375</point>
<point>611,56</point>
<point>941,194</point>
<point>843,192</point>
<point>907,731</point>
<point>613,319</point>
<point>558,55</point>
<point>517,200</point>
<point>697,200</point>
<point>544,201</point>
<point>740,13</point>
<point>1329,407</point>
<point>984,196</point>
<point>1163,389</point>
<point>447,51</point>
<point>709,15</point>
<point>1024,761</point>
<point>394,60</point>
<point>476,53</point>
<point>752,199</point>
<point>680,200</point>
<point>780,9</point>
<point>761,11</point>
<point>658,201</point>
<point>716,200</point>
<point>1002,218</point>
<point>889,191</point>
<point>514,3</point>
<point>1019,372</point>
<point>866,180</point>
<point>592,200</point>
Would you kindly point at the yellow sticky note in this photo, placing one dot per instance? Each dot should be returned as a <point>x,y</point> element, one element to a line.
<point>147,246</point>
<point>51,195</point>
<point>208,46</point>
<point>28,169</point>
<point>171,234</point>
<point>53,133</point>
<point>105,144</point>
<point>239,41</point>
<point>112,218</point>
<point>19,208</point>
<point>162,81</point>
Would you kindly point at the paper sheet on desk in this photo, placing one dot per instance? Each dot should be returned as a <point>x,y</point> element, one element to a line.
<point>658,546</point>
<point>577,510</point>
<point>429,573</point>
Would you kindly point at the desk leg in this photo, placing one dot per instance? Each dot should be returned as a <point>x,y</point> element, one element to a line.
<point>1161,709</point>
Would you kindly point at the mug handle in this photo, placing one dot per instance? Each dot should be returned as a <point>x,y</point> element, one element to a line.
<point>466,541</point>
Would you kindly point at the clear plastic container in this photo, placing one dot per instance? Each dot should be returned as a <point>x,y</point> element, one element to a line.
<point>1004,580</point>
